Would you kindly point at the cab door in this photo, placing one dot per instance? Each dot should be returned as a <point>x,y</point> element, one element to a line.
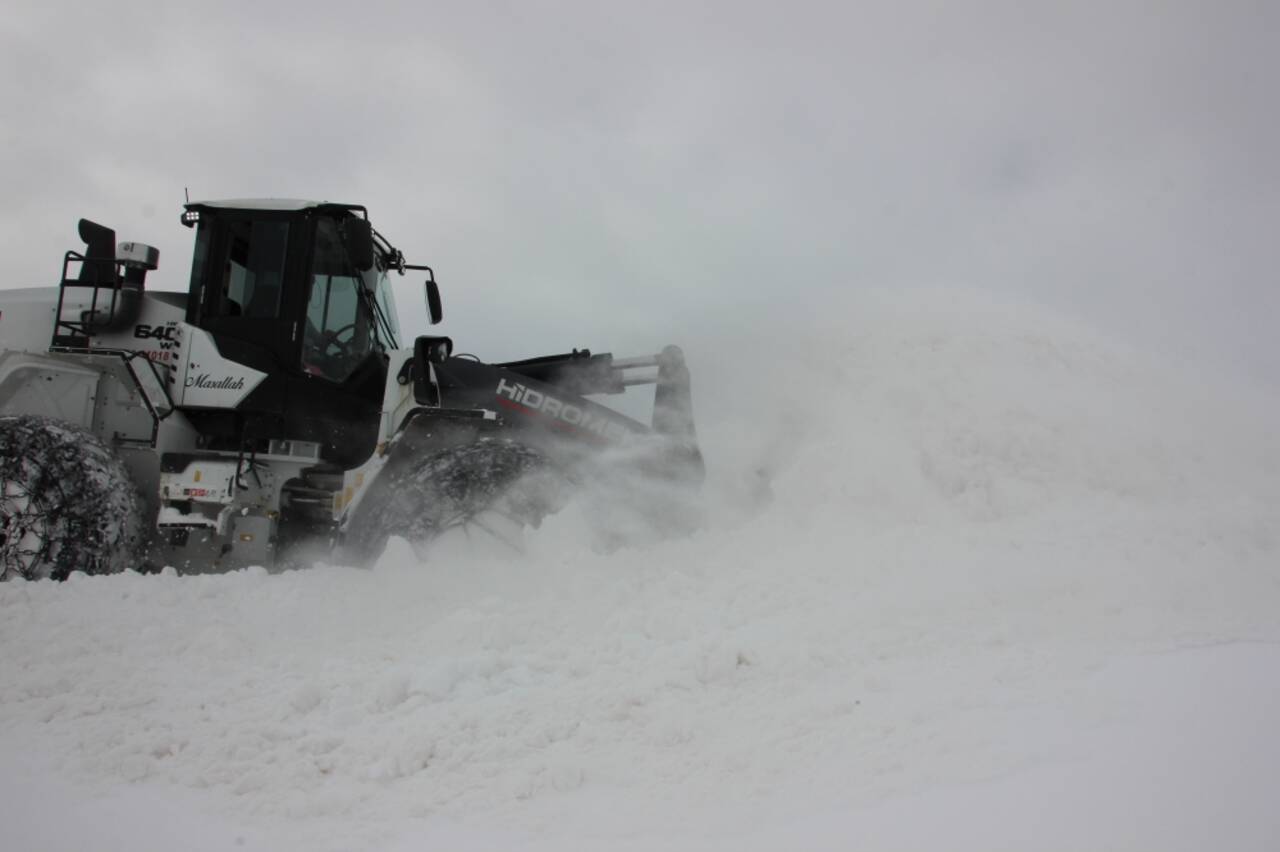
<point>343,366</point>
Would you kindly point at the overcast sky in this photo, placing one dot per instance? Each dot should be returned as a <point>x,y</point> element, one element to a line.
<point>620,175</point>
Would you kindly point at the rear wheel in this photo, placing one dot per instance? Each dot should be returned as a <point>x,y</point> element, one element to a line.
<point>493,486</point>
<point>67,502</point>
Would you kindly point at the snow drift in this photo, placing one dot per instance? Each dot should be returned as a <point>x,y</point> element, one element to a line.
<point>929,538</point>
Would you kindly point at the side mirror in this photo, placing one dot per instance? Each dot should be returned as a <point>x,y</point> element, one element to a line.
<point>435,311</point>
<point>435,350</point>
<point>357,233</point>
<point>428,351</point>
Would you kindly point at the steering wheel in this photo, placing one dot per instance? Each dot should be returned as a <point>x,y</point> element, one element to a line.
<point>329,341</point>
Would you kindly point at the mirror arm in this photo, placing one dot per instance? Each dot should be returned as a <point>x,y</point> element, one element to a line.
<point>435,312</point>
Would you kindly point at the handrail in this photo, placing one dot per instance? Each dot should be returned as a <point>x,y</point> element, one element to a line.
<point>74,330</point>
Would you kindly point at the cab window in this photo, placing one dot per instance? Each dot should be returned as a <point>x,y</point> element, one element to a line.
<point>251,274</point>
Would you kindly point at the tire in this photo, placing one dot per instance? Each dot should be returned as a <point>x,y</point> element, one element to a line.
<point>455,488</point>
<point>67,502</point>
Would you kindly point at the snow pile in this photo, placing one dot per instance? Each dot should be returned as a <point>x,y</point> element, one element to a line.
<point>926,534</point>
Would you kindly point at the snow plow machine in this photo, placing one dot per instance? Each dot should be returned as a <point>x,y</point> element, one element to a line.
<point>271,412</point>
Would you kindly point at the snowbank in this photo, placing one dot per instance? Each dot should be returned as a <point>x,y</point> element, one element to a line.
<point>930,535</point>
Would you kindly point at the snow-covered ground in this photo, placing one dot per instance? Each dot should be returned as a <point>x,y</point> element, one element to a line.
<point>968,579</point>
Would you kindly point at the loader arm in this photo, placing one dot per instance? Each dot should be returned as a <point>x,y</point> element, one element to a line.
<point>550,394</point>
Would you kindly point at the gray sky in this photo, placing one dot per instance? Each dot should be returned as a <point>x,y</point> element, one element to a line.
<point>623,175</point>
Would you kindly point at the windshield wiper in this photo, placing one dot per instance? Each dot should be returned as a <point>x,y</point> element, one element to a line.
<point>382,326</point>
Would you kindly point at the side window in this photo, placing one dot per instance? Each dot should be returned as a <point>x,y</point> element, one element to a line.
<point>336,337</point>
<point>252,272</point>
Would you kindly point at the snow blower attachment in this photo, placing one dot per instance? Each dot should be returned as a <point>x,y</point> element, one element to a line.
<point>511,438</point>
<point>271,413</point>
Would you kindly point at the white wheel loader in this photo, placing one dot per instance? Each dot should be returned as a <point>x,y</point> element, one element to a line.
<point>273,410</point>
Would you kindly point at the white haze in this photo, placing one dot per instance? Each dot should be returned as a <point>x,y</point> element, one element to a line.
<point>979,304</point>
<point>964,576</point>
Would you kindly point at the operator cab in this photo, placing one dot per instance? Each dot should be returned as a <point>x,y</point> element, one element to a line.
<point>298,290</point>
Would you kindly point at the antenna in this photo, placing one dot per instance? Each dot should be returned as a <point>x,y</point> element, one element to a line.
<point>186,192</point>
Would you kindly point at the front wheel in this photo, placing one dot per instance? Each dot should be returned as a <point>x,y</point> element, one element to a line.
<point>67,502</point>
<point>466,486</point>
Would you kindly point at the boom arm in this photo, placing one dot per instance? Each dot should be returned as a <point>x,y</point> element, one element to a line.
<point>581,373</point>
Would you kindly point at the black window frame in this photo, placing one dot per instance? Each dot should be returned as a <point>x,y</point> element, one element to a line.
<point>205,299</point>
